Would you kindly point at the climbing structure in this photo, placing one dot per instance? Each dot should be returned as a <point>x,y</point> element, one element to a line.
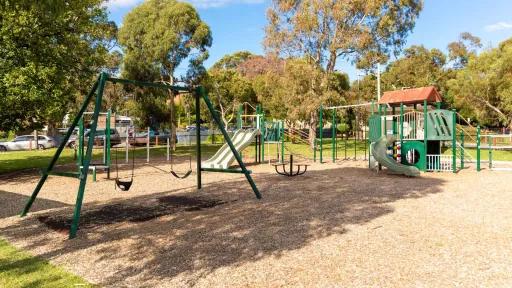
<point>419,127</point>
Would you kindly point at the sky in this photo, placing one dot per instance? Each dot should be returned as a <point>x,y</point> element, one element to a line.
<point>239,24</point>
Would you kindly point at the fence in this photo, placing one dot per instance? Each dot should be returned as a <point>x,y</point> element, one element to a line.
<point>440,163</point>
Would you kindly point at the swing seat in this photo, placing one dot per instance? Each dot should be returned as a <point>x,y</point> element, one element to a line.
<point>124,185</point>
<point>181,177</point>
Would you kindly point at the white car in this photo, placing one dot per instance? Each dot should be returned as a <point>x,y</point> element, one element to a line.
<point>27,142</point>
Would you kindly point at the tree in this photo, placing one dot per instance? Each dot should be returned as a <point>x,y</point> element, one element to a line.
<point>49,53</point>
<point>327,30</point>
<point>157,36</point>
<point>232,61</point>
<point>461,50</point>
<point>363,31</point>
<point>484,87</point>
<point>228,89</point>
<point>418,67</point>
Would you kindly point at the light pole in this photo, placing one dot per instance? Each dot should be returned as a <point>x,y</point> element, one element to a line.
<point>378,82</point>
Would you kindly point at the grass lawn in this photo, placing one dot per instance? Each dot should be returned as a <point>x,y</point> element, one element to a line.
<point>19,269</point>
<point>20,160</point>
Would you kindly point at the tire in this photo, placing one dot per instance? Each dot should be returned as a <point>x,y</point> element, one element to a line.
<point>41,147</point>
<point>3,148</point>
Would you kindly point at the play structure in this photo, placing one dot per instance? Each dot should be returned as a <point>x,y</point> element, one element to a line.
<point>96,97</point>
<point>419,133</point>
<point>408,127</point>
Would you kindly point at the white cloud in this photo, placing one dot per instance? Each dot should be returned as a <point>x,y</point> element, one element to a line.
<point>114,4</point>
<point>219,3</point>
<point>498,26</point>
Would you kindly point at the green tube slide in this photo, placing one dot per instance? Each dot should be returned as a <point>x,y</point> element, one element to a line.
<point>379,152</point>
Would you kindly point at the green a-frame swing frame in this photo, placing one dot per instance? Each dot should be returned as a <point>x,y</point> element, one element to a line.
<point>96,93</point>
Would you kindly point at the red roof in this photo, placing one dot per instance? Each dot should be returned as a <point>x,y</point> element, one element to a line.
<point>411,96</point>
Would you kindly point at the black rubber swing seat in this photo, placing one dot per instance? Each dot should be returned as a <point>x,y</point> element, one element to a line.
<point>124,185</point>
<point>181,177</point>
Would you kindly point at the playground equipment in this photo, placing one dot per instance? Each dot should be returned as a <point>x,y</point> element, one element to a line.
<point>358,134</point>
<point>96,93</point>
<point>104,123</point>
<point>380,153</point>
<point>421,133</point>
<point>301,168</point>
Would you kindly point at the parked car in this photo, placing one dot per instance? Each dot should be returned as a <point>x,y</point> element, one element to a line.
<point>26,142</point>
<point>115,138</point>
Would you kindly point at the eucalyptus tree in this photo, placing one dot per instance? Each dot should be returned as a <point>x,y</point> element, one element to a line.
<point>158,36</point>
<point>362,31</point>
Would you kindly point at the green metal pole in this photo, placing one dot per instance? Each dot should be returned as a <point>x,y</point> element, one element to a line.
<point>321,133</point>
<point>263,129</point>
<point>197,93</point>
<point>489,144</point>
<point>478,148</point>
<point>401,124</point>
<point>425,131</point>
<point>80,160</point>
<point>88,156</point>
<point>333,136</point>
<point>200,90</point>
<point>462,149</point>
<point>107,141</point>
<point>454,141</point>
<point>56,156</point>
<point>282,141</point>
<point>385,120</point>
<point>239,116</point>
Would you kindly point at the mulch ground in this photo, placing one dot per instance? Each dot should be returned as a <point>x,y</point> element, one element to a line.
<point>339,225</point>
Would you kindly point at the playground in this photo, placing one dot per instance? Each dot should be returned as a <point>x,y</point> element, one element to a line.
<point>258,206</point>
<point>441,229</point>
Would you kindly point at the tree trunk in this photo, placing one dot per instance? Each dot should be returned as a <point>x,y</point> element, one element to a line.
<point>313,122</point>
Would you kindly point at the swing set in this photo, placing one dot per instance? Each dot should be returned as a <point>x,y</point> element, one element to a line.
<point>96,93</point>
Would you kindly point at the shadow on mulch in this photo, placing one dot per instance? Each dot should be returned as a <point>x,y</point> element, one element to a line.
<point>117,213</point>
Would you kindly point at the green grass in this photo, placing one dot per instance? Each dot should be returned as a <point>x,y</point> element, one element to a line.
<point>20,160</point>
<point>19,269</point>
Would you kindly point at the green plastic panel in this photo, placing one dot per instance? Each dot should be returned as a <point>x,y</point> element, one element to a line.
<point>375,127</point>
<point>439,125</point>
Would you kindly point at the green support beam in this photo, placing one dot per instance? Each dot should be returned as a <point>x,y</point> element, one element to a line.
<point>454,142</point>
<point>236,171</point>
<point>56,156</point>
<point>220,124</point>
<point>478,148</point>
<point>88,156</point>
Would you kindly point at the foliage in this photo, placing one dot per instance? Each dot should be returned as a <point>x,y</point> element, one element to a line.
<point>227,90</point>
<point>232,61</point>
<point>418,67</point>
<point>159,35</point>
<point>49,52</point>
<point>484,86</point>
<point>19,269</point>
<point>363,30</point>
<point>461,50</point>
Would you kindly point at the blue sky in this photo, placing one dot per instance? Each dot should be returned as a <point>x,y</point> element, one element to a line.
<point>239,24</point>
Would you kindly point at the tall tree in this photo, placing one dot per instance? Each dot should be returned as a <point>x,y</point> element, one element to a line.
<point>49,52</point>
<point>484,87</point>
<point>323,31</point>
<point>157,36</point>
<point>462,49</point>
